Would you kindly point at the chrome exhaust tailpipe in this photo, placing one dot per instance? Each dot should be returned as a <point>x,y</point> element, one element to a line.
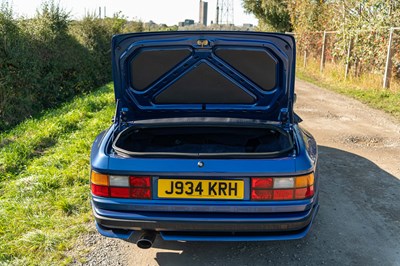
<point>146,240</point>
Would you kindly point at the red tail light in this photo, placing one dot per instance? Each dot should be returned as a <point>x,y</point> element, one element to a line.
<point>137,187</point>
<point>141,193</point>
<point>283,194</point>
<point>139,181</point>
<point>101,191</point>
<point>261,194</point>
<point>261,182</point>
<point>140,187</point>
<point>119,192</point>
<point>262,188</point>
<point>282,188</point>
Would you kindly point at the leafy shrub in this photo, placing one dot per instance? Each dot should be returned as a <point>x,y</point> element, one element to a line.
<point>48,59</point>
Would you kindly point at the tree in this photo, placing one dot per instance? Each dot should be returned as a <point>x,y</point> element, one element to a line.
<point>309,15</point>
<point>273,15</point>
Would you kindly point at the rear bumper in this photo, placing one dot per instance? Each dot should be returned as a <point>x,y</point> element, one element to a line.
<point>206,226</point>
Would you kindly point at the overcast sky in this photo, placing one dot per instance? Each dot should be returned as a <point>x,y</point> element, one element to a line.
<point>169,12</point>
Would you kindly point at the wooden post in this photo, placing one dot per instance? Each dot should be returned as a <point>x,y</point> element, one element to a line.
<point>346,73</point>
<point>305,58</point>
<point>388,67</point>
<point>321,68</point>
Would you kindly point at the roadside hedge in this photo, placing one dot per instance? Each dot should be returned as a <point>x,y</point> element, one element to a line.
<point>49,58</point>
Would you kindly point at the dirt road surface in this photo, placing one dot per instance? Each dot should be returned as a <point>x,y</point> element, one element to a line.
<point>359,219</point>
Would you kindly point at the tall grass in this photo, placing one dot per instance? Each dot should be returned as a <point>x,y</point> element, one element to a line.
<point>44,190</point>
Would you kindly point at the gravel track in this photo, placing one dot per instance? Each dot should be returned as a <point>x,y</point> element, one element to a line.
<point>359,219</point>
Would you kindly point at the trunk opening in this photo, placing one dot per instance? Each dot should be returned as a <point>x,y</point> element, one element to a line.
<point>203,141</point>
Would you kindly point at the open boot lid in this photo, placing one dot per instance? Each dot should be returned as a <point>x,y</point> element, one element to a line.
<point>204,74</point>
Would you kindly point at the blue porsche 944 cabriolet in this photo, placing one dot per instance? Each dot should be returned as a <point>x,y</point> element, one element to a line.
<point>204,145</point>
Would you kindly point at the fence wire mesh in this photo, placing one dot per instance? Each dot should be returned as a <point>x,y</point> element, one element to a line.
<point>359,52</point>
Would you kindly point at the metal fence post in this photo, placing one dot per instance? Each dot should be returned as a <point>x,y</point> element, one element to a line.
<point>321,68</point>
<point>388,67</point>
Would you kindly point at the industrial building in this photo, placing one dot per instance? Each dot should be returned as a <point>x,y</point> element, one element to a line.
<point>203,12</point>
<point>187,22</point>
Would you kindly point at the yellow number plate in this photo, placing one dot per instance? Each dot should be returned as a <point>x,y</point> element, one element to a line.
<point>200,189</point>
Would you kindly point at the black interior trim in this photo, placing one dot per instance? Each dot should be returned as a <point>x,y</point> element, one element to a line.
<point>256,64</point>
<point>204,85</point>
<point>150,64</point>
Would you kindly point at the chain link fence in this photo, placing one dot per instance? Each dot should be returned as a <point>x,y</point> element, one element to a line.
<point>357,52</point>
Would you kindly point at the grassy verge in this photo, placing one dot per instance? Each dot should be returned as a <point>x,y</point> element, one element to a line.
<point>44,191</point>
<point>367,88</point>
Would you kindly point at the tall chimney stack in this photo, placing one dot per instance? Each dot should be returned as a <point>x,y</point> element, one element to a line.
<point>203,13</point>
<point>217,14</point>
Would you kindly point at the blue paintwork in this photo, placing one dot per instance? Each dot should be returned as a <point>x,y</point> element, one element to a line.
<point>168,205</point>
<point>129,235</point>
<point>121,234</point>
<point>235,238</point>
<point>303,161</point>
<point>206,216</point>
<point>141,104</point>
